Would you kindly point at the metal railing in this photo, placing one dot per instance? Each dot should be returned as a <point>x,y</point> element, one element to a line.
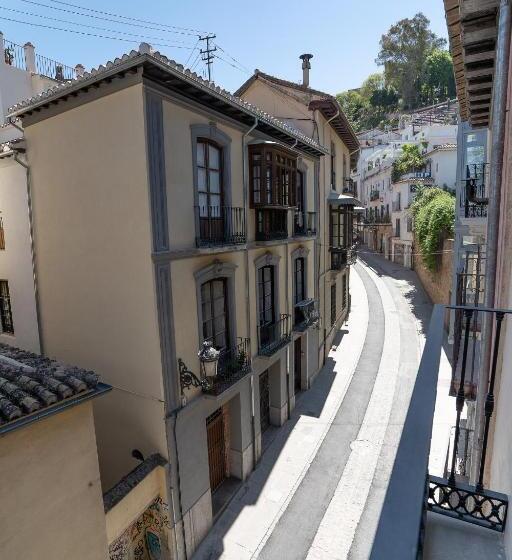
<point>274,336</point>
<point>14,55</point>
<point>220,225</point>
<point>411,490</point>
<point>349,186</point>
<point>474,198</point>
<point>271,224</point>
<point>304,223</point>
<point>374,195</point>
<point>234,364</point>
<point>305,315</point>
<point>378,218</point>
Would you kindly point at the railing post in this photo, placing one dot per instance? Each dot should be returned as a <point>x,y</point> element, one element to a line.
<point>489,399</point>
<point>30,57</point>
<point>468,313</point>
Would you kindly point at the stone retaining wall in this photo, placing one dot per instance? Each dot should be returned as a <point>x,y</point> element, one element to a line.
<point>437,284</point>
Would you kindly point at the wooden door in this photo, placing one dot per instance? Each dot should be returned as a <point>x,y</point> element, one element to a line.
<point>297,364</point>
<point>216,448</point>
<point>264,401</point>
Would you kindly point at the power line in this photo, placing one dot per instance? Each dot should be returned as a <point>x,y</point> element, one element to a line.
<point>242,67</point>
<point>126,17</point>
<point>86,25</point>
<point>107,19</point>
<point>232,65</point>
<point>206,53</point>
<point>191,53</point>
<point>85,33</point>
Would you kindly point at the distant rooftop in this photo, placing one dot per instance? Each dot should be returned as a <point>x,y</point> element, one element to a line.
<point>33,386</point>
<point>25,58</point>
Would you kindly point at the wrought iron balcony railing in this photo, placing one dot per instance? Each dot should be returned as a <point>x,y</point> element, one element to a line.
<point>305,315</point>
<point>378,218</point>
<point>374,195</point>
<point>474,198</point>
<point>220,225</point>
<point>271,224</point>
<point>412,490</point>
<point>342,257</point>
<point>274,336</point>
<point>234,363</point>
<point>304,224</point>
<point>349,186</point>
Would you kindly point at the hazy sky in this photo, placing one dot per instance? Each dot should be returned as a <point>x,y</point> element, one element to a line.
<point>343,35</point>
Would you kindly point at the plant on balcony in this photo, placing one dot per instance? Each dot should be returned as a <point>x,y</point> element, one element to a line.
<point>433,212</point>
<point>410,160</point>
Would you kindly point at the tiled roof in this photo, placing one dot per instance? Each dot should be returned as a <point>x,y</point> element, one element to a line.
<point>31,384</point>
<point>442,147</point>
<point>325,102</point>
<point>140,57</point>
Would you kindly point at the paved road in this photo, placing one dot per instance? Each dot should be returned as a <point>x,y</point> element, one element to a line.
<point>318,489</point>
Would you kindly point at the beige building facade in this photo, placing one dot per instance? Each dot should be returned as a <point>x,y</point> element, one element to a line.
<point>180,215</point>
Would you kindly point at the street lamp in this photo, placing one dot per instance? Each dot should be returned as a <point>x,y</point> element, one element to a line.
<point>209,360</point>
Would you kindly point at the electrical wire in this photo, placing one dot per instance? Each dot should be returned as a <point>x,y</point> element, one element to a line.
<point>242,67</point>
<point>232,65</point>
<point>192,52</point>
<point>126,17</point>
<point>88,26</point>
<point>107,19</point>
<point>86,33</point>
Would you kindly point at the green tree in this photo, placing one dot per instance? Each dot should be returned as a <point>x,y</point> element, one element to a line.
<point>410,160</point>
<point>403,53</point>
<point>433,213</point>
<point>438,78</point>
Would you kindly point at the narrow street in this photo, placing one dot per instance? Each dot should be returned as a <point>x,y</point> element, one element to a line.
<point>318,489</point>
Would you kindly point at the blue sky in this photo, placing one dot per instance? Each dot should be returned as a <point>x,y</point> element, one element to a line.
<point>343,35</point>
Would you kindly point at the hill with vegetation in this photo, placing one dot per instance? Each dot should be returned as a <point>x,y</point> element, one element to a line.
<point>417,72</point>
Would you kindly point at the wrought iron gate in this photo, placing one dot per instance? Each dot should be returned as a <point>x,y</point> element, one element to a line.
<point>216,448</point>
<point>264,401</point>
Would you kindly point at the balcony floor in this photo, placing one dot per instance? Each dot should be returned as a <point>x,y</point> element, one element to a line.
<point>450,539</point>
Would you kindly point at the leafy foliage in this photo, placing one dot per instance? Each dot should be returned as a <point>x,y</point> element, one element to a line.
<point>404,50</point>
<point>409,160</point>
<point>438,78</point>
<point>433,212</point>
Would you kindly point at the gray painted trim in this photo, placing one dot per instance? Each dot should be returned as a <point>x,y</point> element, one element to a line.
<point>298,253</point>
<point>153,114</point>
<point>156,171</point>
<point>215,270</point>
<point>268,259</point>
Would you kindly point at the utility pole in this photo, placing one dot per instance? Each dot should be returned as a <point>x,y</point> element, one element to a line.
<point>206,53</point>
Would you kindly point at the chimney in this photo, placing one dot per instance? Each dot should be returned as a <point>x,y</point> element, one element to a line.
<point>30,57</point>
<point>306,67</point>
<point>79,70</point>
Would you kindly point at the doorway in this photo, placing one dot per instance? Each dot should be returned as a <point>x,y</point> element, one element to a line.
<point>264,401</point>
<point>297,364</point>
<point>216,448</point>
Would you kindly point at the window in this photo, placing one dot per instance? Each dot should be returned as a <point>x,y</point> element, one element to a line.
<point>341,227</point>
<point>397,228</point>
<point>5,308</point>
<point>344,292</point>
<point>273,176</point>
<point>333,166</point>
<point>215,312</point>
<point>267,312</point>
<point>300,287</point>
<point>209,178</point>
<point>333,304</point>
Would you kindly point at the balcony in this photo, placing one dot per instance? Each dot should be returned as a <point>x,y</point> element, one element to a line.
<point>271,224</point>
<point>304,224</point>
<point>374,195</point>
<point>342,257</point>
<point>378,219</point>
<point>474,198</point>
<point>349,186</point>
<point>305,315</point>
<point>274,336</point>
<point>234,364</point>
<point>442,515</point>
<point>219,225</point>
